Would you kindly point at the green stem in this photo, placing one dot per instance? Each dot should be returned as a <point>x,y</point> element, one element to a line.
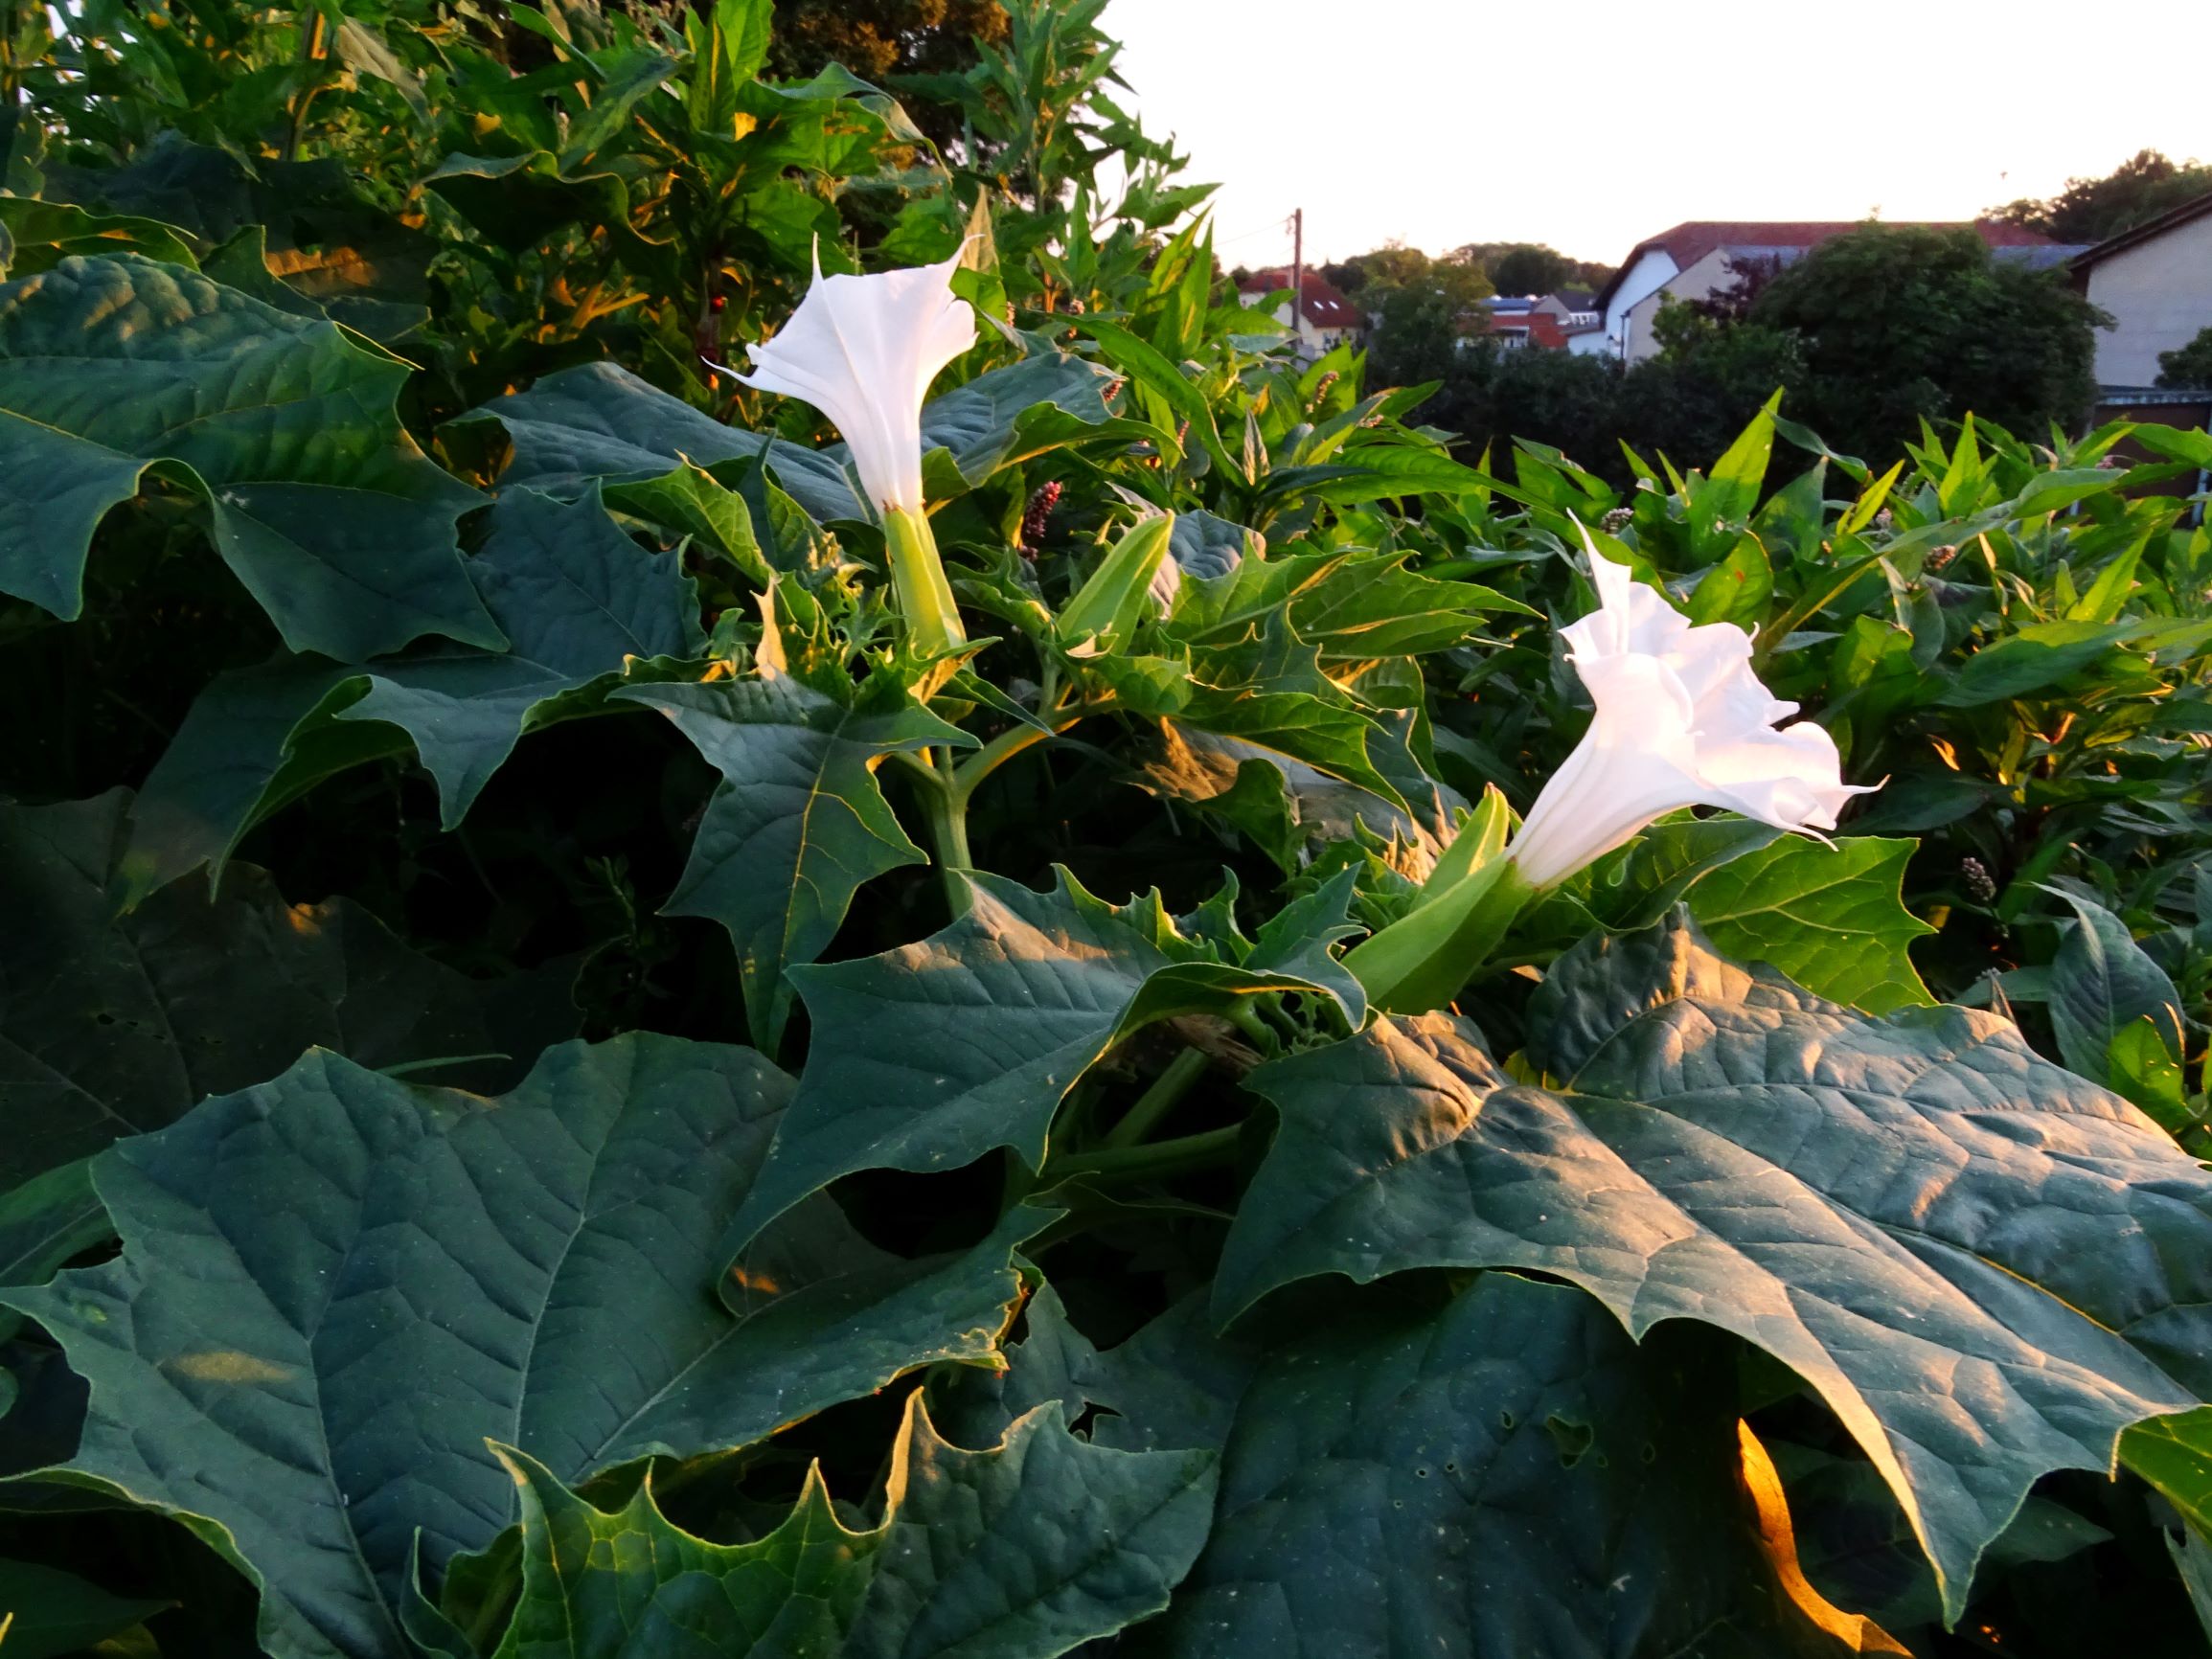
<point>1156,1161</point>
<point>310,51</point>
<point>1246,1018</point>
<point>1159,1100</point>
<point>971,773</point>
<point>946,813</point>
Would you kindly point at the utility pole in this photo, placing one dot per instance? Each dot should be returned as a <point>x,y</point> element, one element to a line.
<point>1297,272</point>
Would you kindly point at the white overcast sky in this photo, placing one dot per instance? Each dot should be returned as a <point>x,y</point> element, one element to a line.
<point>1594,124</point>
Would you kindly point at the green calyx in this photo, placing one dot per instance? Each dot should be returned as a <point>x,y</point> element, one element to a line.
<point>1108,608</point>
<point>918,578</point>
<point>1420,961</point>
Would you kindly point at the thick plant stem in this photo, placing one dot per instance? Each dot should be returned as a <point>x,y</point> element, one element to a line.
<point>946,813</point>
<point>1156,1161</point>
<point>918,579</point>
<point>1159,1100</point>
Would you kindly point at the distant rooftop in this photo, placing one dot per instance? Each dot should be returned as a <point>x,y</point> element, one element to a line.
<point>1691,240</point>
<point>1321,304</point>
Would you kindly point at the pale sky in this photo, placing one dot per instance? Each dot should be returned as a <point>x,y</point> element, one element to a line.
<point>1595,125</point>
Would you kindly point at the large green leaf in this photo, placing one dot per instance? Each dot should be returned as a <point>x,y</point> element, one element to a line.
<point>579,602</point>
<point>798,823</point>
<point>45,1612</point>
<point>1987,1266</point>
<point>341,527</point>
<point>1505,1477</point>
<point>1270,692</point>
<point>335,1287</point>
<point>1009,414</point>
<point>2034,658</point>
<point>927,1056</point>
<point>599,422</point>
<point>1831,918</point>
<point>110,1025</point>
<point>2175,1455</point>
<point>1282,804</point>
<point>1372,607</point>
<point>2103,982</point>
<point>43,232</point>
<point>1032,1548</point>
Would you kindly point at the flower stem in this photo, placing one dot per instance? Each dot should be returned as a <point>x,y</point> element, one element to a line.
<point>1156,1161</point>
<point>1157,1101</point>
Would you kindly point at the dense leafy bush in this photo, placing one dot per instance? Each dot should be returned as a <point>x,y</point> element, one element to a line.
<point>577,1087</point>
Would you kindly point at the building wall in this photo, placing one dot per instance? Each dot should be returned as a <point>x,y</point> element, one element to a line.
<point>2159,294</point>
<point>1706,277</point>
<point>1313,341</point>
<point>1652,267</point>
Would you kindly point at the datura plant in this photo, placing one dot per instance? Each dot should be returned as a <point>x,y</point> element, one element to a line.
<point>1002,990</point>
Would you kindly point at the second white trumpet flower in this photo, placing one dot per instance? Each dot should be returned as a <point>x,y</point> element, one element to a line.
<point>1682,720</point>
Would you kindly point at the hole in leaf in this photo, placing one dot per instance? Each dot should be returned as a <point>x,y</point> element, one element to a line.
<point>1572,1438</point>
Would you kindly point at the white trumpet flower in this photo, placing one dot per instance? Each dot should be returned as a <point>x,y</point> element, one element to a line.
<point>863,349</point>
<point>1681,720</point>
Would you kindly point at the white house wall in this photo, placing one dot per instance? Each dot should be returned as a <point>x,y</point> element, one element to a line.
<point>1705,278</point>
<point>1645,277</point>
<point>2159,294</point>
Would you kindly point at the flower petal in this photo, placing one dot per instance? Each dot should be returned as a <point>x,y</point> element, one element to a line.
<point>1682,720</point>
<point>863,351</point>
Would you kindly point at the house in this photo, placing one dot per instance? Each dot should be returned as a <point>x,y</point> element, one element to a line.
<point>2155,282</point>
<point>1326,318</point>
<point>1519,320</point>
<point>1699,259</point>
<point>1556,322</point>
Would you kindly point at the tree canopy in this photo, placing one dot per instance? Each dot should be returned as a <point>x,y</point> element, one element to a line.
<point>1903,323</point>
<point>2188,366</point>
<point>2089,210</point>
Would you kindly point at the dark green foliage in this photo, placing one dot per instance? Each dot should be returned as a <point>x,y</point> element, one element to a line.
<point>1953,330</point>
<point>1529,270</point>
<point>2188,366</point>
<point>2089,209</point>
<point>444,723</point>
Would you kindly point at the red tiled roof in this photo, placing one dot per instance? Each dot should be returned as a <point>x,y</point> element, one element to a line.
<point>1324,307</point>
<point>1691,240</point>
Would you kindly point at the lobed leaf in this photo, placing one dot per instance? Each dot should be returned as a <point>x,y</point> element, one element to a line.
<point>798,823</point>
<point>583,606</point>
<point>963,1563</point>
<point>282,424</point>
<point>1988,1267</point>
<point>927,1056</point>
<point>334,1288</point>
